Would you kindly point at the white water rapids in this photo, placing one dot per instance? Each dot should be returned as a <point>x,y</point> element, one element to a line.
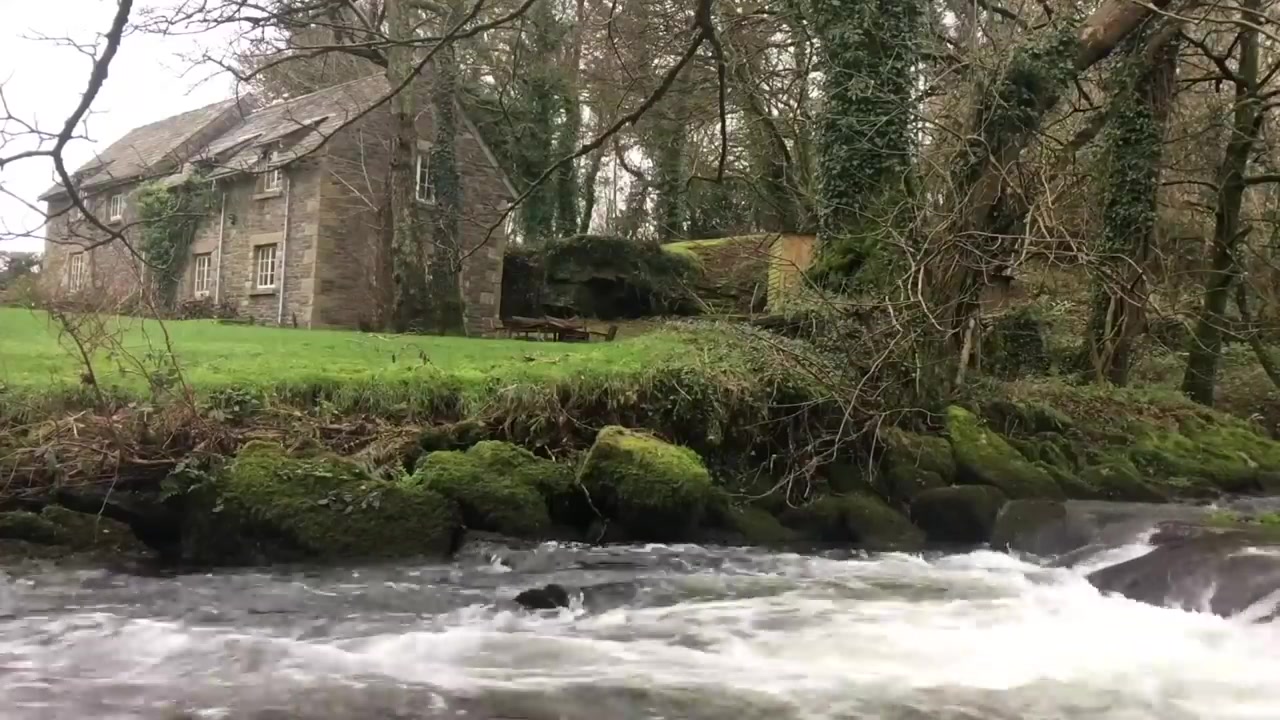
<point>661,632</point>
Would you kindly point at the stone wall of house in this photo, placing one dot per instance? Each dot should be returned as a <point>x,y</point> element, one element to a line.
<point>114,272</point>
<point>247,217</point>
<point>352,279</point>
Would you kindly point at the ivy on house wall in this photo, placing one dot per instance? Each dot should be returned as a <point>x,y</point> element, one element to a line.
<point>168,217</point>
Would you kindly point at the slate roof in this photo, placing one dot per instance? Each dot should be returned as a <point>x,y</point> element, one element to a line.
<point>301,123</point>
<point>143,148</point>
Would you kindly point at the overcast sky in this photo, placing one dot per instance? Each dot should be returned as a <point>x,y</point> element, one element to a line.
<point>151,78</point>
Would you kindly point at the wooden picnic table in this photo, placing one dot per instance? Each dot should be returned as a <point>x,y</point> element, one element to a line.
<point>556,329</point>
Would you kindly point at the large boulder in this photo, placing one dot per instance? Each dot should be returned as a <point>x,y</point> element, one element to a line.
<point>964,514</point>
<point>913,463</point>
<point>267,505</point>
<point>1040,527</point>
<point>861,519</point>
<point>756,526</point>
<point>1195,568</point>
<point>69,531</point>
<point>501,488</point>
<point>983,457</point>
<point>652,489</point>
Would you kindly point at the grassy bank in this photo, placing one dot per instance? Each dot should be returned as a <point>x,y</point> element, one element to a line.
<point>35,354</point>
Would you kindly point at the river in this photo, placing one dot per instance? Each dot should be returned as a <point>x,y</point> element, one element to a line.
<point>660,632</point>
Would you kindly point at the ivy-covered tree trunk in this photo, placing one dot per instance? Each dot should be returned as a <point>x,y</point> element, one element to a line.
<point>669,138</point>
<point>566,182</point>
<point>408,266</point>
<point>1143,85</point>
<point>865,145</point>
<point>1010,110</point>
<point>1200,379</point>
<point>444,270</point>
<point>535,111</point>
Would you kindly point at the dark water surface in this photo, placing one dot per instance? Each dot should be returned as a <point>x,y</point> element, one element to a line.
<point>657,632</point>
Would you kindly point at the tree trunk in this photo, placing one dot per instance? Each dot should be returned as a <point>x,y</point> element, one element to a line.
<point>567,190</point>
<point>1144,85</point>
<point>1201,377</point>
<point>444,272</point>
<point>589,192</point>
<point>1012,107</point>
<point>409,276</point>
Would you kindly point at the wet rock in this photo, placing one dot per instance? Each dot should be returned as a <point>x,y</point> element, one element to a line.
<point>1117,479</point>
<point>913,463</point>
<point>651,489</point>
<point>959,514</point>
<point>985,458</point>
<point>269,506</point>
<point>70,530</point>
<point>547,597</point>
<point>501,488</point>
<point>860,519</point>
<point>1040,527</point>
<point>1195,568</point>
<point>756,526</point>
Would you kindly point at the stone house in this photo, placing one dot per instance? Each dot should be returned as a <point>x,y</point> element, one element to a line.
<point>295,226</point>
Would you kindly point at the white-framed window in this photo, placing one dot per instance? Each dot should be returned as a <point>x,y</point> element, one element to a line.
<point>115,207</point>
<point>422,188</point>
<point>202,280</point>
<point>77,271</point>
<point>264,266</point>
<point>274,179</point>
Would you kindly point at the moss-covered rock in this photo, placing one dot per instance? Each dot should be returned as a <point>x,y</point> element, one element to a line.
<point>267,505</point>
<point>913,463</point>
<point>757,527</point>
<point>959,514</point>
<point>1225,455</point>
<point>653,489</point>
<point>984,458</point>
<point>30,527</point>
<point>1115,478</point>
<point>499,487</point>
<point>1072,485</point>
<point>861,519</point>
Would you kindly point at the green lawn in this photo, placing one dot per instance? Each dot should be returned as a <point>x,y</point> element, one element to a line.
<point>211,355</point>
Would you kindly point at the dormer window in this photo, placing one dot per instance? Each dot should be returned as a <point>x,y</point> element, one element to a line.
<point>115,208</point>
<point>274,178</point>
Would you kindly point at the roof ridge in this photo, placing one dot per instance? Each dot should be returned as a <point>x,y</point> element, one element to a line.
<point>288,101</point>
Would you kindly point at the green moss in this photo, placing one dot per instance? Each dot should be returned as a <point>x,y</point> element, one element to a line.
<point>654,490</point>
<point>984,458</point>
<point>960,514</point>
<point>862,519</point>
<point>30,527</point>
<point>1117,479</point>
<point>65,528</point>
<point>913,463</point>
<point>758,527</point>
<point>267,505</point>
<point>1072,485</point>
<point>1228,456</point>
<point>500,487</point>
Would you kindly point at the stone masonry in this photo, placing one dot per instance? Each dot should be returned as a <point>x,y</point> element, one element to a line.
<point>325,216</point>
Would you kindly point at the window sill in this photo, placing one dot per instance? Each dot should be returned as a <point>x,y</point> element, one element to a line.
<point>116,221</point>
<point>426,203</point>
<point>262,291</point>
<point>267,194</point>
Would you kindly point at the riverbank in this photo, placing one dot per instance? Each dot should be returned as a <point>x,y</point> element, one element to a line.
<point>341,445</point>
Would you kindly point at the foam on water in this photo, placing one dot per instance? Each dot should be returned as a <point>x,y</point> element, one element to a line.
<point>732,635</point>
